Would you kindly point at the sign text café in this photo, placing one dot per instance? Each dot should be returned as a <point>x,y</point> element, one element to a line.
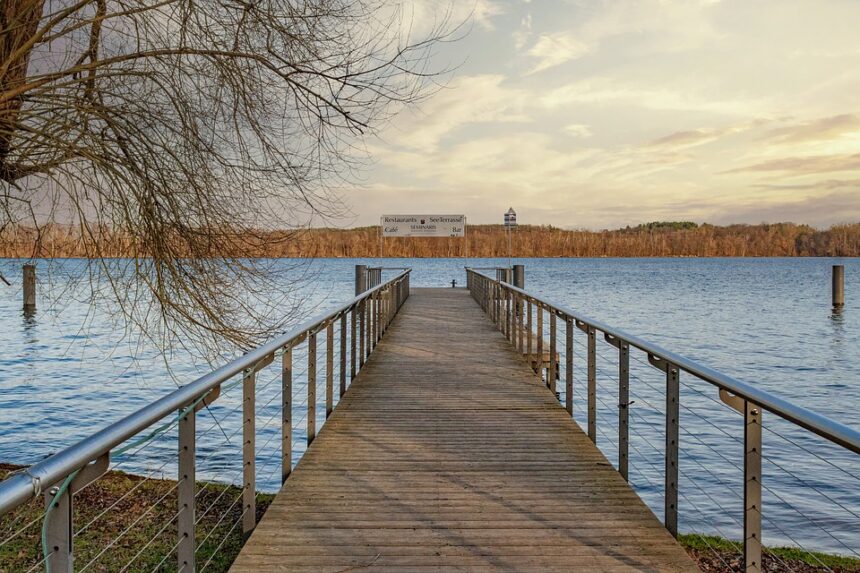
<point>423,225</point>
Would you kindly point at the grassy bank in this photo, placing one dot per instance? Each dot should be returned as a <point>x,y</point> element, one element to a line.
<point>143,508</point>
<point>146,508</point>
<point>715,554</point>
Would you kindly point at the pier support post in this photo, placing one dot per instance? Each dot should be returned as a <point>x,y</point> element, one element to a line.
<point>838,285</point>
<point>360,279</point>
<point>30,287</point>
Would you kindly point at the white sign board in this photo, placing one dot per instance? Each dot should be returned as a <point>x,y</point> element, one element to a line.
<point>423,225</point>
<point>511,218</point>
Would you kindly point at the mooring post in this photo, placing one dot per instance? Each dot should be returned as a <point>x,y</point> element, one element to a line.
<point>520,276</point>
<point>30,287</point>
<point>838,285</point>
<point>360,279</point>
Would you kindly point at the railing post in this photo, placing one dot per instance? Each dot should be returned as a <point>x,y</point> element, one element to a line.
<point>752,487</point>
<point>59,526</point>
<point>672,427</point>
<point>186,494</point>
<point>529,325</point>
<point>497,303</point>
<point>538,366</point>
<point>568,368</point>
<point>329,369</point>
<point>342,354</point>
<point>553,367</point>
<point>380,302</point>
<point>249,491</point>
<point>371,311</point>
<point>623,400</point>
<point>312,387</point>
<point>623,408</point>
<point>506,316</point>
<point>375,320</point>
<point>520,326</point>
<point>59,531</point>
<point>673,389</point>
<point>361,319</point>
<point>286,414</point>
<point>591,367</point>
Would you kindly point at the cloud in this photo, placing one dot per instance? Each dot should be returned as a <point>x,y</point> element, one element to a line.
<point>805,165</point>
<point>420,18</point>
<point>686,138</point>
<point>829,184</point>
<point>831,127</point>
<point>578,130</point>
<point>555,49</point>
<point>643,103</point>
<point>485,11</point>
<point>522,35</point>
<point>822,211</point>
<point>468,100</point>
<point>606,91</point>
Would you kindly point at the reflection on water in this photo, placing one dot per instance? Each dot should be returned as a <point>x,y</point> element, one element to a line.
<point>29,324</point>
<point>58,383</point>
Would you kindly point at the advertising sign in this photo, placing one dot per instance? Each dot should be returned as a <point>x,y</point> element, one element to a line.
<point>423,225</point>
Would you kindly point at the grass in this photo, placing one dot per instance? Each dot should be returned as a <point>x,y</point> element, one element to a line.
<point>715,553</point>
<point>147,515</point>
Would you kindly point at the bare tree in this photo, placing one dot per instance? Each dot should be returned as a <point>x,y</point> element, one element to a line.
<point>191,129</point>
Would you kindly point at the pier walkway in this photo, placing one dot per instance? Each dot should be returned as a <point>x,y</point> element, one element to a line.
<point>447,453</point>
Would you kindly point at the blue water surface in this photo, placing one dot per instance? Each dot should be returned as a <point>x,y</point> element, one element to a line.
<point>68,370</point>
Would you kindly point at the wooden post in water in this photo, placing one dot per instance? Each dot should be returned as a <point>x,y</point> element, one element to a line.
<point>360,279</point>
<point>30,287</point>
<point>838,285</point>
<point>519,276</point>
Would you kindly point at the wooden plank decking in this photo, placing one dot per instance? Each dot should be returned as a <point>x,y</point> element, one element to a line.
<point>448,454</point>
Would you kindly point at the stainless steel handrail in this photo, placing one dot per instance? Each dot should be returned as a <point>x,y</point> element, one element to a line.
<point>24,486</point>
<point>511,309</point>
<point>832,430</point>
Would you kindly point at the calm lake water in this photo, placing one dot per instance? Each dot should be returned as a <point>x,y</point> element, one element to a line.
<point>65,373</point>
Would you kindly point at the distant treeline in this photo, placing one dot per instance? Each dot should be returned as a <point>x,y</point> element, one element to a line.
<point>658,239</point>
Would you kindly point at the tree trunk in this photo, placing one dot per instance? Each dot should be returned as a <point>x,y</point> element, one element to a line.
<point>19,20</point>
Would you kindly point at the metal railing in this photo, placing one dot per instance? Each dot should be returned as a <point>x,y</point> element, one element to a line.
<point>504,274</point>
<point>361,323</point>
<point>520,316</point>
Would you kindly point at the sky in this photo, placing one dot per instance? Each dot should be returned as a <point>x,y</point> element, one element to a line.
<point>599,114</point>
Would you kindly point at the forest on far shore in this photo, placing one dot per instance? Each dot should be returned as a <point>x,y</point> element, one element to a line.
<point>657,239</point>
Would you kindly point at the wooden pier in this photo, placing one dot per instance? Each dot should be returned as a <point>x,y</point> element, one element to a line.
<point>447,453</point>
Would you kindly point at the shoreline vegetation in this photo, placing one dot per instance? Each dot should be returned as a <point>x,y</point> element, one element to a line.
<point>657,239</point>
<point>145,506</point>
